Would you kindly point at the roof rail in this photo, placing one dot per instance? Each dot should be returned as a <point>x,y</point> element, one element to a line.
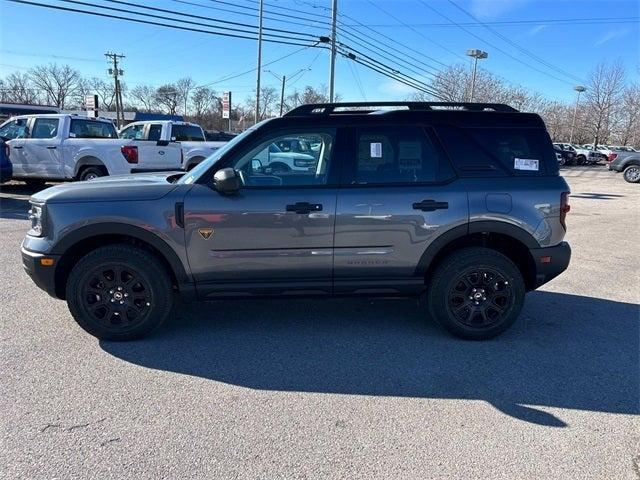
<point>364,107</point>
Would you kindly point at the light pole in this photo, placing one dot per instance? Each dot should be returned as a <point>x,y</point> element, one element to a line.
<point>579,89</point>
<point>476,55</point>
<point>332,57</point>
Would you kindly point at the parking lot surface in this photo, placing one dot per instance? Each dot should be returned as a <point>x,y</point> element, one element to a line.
<point>354,388</point>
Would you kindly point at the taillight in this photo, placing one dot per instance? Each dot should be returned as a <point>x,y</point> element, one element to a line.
<point>612,156</point>
<point>130,153</point>
<point>564,208</point>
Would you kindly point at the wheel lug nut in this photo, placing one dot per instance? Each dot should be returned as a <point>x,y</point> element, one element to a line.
<point>126,294</point>
<point>112,300</point>
<point>110,291</point>
<point>121,302</point>
<point>148,304</point>
<point>119,288</point>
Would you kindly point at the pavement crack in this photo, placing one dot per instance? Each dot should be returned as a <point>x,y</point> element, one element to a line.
<point>635,461</point>
<point>111,440</point>
<point>48,426</point>
<point>74,427</point>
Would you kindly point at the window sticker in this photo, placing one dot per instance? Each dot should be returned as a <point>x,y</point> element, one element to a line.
<point>531,164</point>
<point>409,156</point>
<point>376,149</point>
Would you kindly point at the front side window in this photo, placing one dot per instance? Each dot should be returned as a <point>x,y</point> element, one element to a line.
<point>134,132</point>
<point>45,128</point>
<point>187,133</point>
<point>267,165</point>
<point>90,129</point>
<point>14,129</point>
<point>398,155</point>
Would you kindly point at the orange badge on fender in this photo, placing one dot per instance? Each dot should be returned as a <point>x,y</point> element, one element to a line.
<point>205,232</point>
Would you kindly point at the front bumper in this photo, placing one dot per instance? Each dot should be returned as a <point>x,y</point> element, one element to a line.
<point>43,276</point>
<point>550,262</point>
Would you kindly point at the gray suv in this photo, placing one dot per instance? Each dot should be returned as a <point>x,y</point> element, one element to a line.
<point>460,202</point>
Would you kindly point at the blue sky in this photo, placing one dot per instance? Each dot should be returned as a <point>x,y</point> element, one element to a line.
<point>154,55</point>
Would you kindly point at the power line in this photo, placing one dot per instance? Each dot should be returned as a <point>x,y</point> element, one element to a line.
<point>508,23</point>
<point>493,45</point>
<point>147,22</point>
<point>517,46</point>
<point>266,17</point>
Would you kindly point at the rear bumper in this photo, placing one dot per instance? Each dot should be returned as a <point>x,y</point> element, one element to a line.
<point>550,262</point>
<point>43,276</point>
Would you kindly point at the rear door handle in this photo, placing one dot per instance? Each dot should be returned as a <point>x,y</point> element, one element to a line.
<point>304,207</point>
<point>52,147</point>
<point>430,205</point>
<point>17,147</point>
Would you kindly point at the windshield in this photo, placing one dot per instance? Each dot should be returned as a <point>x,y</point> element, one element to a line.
<point>203,166</point>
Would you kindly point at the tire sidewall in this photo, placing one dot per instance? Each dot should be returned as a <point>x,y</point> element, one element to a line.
<point>626,172</point>
<point>447,274</point>
<point>91,170</point>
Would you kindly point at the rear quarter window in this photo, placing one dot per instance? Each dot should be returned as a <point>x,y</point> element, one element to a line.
<point>499,151</point>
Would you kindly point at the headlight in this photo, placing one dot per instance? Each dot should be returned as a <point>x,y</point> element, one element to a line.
<point>35,216</point>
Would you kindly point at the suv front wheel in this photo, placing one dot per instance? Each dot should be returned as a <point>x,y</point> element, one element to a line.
<point>476,293</point>
<point>119,292</point>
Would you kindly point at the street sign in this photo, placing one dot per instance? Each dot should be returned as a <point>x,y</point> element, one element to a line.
<point>226,105</point>
<point>91,104</point>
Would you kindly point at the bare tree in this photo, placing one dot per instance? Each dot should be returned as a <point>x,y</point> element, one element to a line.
<point>183,88</point>
<point>106,92</point>
<point>629,116</point>
<point>603,92</point>
<point>144,96</point>
<point>17,88</point>
<point>58,83</point>
<point>204,100</point>
<point>167,97</point>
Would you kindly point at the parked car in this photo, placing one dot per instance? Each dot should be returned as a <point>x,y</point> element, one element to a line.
<point>71,147</point>
<point>461,202</point>
<point>588,156</point>
<point>218,136</point>
<point>628,163</point>
<point>275,160</point>
<point>6,169</point>
<point>190,137</point>
<point>565,156</point>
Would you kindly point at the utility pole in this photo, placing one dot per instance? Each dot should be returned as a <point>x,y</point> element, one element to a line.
<point>332,61</point>
<point>257,115</point>
<point>283,80</point>
<point>477,55</point>
<point>117,72</point>
<point>579,89</point>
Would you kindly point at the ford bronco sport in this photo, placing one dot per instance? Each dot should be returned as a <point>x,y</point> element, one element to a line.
<point>461,202</point>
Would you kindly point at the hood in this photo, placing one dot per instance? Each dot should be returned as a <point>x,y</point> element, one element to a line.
<point>137,186</point>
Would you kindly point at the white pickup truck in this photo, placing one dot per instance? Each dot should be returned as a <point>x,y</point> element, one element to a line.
<point>72,147</point>
<point>190,136</point>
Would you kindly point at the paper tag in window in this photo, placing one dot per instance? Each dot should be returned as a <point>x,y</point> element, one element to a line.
<point>526,164</point>
<point>376,149</point>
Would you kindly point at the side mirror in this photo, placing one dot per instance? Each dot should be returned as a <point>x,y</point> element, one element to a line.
<point>226,181</point>
<point>256,165</point>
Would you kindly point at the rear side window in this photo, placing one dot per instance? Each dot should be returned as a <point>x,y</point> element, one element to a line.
<point>499,151</point>
<point>187,133</point>
<point>154,132</point>
<point>396,155</point>
<point>45,128</point>
<point>134,132</point>
<point>88,129</point>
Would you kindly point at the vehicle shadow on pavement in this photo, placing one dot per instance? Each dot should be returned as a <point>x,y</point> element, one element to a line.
<point>565,351</point>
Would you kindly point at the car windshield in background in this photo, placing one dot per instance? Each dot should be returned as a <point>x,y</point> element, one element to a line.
<point>87,129</point>
<point>14,129</point>
<point>187,133</point>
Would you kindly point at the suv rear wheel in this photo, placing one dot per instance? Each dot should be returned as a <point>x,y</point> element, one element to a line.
<point>119,292</point>
<point>476,293</point>
<point>89,173</point>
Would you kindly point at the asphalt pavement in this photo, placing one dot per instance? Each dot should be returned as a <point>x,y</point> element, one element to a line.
<point>354,388</point>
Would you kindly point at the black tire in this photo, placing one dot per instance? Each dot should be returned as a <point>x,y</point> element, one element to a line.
<point>562,162</point>
<point>631,174</point>
<point>580,159</point>
<point>471,281</point>
<point>119,292</point>
<point>90,173</point>
<point>35,184</point>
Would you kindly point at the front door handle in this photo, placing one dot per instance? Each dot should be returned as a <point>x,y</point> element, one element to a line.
<point>17,147</point>
<point>430,205</point>
<point>52,147</point>
<point>304,207</point>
